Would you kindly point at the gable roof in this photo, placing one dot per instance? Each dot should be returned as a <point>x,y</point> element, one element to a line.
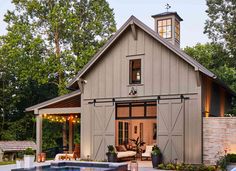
<point>16,145</point>
<point>133,20</point>
<point>52,101</point>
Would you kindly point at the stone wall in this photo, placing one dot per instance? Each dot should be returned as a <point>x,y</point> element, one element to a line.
<point>219,134</point>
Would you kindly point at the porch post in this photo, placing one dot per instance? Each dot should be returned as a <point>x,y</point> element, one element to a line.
<point>70,135</point>
<point>39,133</point>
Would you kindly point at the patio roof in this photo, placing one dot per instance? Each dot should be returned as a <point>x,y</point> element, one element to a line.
<point>6,146</point>
<point>69,103</point>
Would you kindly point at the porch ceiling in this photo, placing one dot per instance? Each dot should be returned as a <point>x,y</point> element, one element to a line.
<point>65,104</point>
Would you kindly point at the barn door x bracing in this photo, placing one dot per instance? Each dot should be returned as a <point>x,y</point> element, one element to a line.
<point>170,129</point>
<point>103,129</point>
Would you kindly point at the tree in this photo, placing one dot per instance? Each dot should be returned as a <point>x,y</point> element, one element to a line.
<point>72,30</point>
<point>214,57</point>
<point>47,43</point>
<point>221,25</point>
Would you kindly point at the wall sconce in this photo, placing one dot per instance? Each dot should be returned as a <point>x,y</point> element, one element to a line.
<point>133,91</point>
<point>207,114</point>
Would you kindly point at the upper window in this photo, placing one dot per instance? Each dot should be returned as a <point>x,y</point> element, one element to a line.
<point>135,71</point>
<point>164,28</point>
<point>177,30</point>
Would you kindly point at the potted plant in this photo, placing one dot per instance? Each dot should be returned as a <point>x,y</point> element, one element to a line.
<point>138,144</point>
<point>111,154</point>
<point>156,156</point>
<point>29,156</point>
<point>19,160</point>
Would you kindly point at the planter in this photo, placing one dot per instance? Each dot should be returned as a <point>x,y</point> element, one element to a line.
<point>230,166</point>
<point>29,161</point>
<point>112,157</point>
<point>156,160</point>
<point>19,163</point>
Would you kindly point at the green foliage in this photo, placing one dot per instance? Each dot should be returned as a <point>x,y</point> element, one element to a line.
<point>52,134</point>
<point>225,160</point>
<point>29,151</point>
<point>156,150</point>
<point>217,59</point>
<point>7,162</point>
<point>221,25</point>
<point>111,150</point>
<point>19,155</point>
<point>186,167</point>
<point>231,158</point>
<point>46,44</point>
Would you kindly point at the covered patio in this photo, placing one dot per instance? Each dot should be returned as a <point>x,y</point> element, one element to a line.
<point>65,109</point>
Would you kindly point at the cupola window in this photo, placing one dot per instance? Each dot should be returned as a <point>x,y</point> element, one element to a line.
<point>164,28</point>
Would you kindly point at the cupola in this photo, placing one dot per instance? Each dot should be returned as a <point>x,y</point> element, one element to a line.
<point>167,25</point>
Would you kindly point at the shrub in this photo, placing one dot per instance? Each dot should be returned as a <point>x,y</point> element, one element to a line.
<point>186,167</point>
<point>231,158</point>
<point>29,151</point>
<point>19,155</point>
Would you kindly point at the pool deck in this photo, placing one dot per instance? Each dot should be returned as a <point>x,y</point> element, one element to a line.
<point>143,166</point>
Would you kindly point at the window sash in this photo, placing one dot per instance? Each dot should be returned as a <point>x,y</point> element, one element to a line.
<point>135,71</point>
<point>164,28</point>
<point>147,108</point>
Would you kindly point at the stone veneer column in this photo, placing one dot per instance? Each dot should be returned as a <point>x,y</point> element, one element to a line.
<point>219,134</point>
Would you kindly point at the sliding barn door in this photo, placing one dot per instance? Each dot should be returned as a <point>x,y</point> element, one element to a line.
<point>170,129</point>
<point>103,132</point>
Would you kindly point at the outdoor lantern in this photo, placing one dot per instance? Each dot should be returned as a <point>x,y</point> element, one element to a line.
<point>39,158</point>
<point>134,166</point>
<point>43,157</point>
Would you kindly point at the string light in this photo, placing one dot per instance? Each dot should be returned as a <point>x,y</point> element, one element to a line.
<point>61,118</point>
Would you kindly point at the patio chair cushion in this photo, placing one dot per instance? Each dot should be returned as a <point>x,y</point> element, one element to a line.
<point>62,156</point>
<point>148,151</point>
<point>124,154</point>
<point>120,148</point>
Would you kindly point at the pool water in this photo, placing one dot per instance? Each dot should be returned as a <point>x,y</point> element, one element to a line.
<point>79,166</point>
<point>49,168</point>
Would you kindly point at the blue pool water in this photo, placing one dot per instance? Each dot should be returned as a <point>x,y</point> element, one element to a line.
<point>78,166</point>
<point>49,168</point>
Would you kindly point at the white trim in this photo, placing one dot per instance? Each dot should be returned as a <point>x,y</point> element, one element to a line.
<point>68,110</point>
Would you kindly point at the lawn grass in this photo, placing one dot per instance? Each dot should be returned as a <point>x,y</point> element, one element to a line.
<point>7,162</point>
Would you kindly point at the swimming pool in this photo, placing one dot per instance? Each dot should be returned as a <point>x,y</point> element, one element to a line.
<point>79,166</point>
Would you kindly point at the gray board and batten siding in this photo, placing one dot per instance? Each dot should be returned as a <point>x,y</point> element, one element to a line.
<point>163,73</point>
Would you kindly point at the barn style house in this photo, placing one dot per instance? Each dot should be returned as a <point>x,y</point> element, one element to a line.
<point>141,84</point>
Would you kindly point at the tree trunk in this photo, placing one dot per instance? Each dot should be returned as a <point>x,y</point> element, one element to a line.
<point>58,56</point>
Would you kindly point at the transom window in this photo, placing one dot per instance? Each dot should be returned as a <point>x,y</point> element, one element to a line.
<point>177,30</point>
<point>136,110</point>
<point>135,71</point>
<point>164,28</point>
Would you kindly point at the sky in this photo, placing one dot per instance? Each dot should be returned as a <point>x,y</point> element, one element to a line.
<point>192,12</point>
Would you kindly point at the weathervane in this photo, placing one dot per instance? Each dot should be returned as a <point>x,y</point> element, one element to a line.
<point>167,7</point>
